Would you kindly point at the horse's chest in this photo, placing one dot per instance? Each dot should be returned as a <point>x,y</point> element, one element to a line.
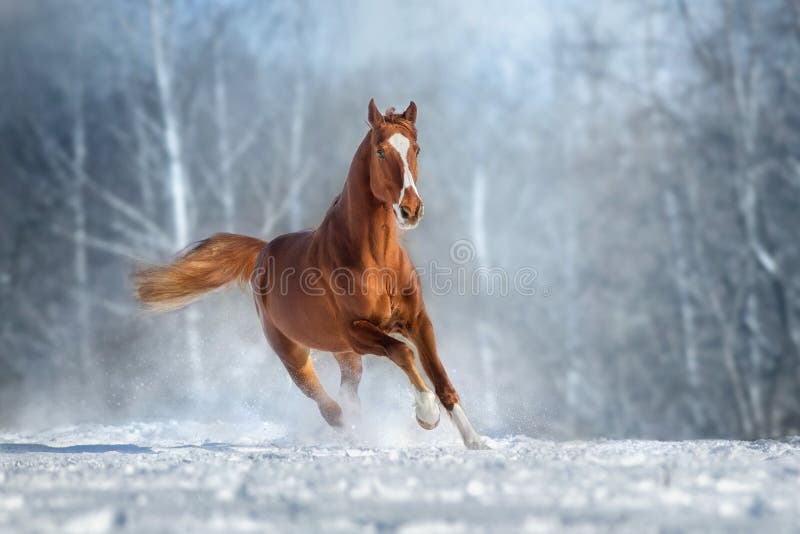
<point>387,308</point>
<point>391,314</point>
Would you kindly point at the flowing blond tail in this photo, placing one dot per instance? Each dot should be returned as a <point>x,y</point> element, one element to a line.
<point>220,260</point>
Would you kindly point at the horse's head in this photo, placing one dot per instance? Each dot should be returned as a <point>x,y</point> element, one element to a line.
<point>393,162</point>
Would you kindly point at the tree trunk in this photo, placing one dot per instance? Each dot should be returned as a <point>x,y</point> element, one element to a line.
<point>484,328</point>
<point>176,169</point>
<point>296,135</point>
<point>223,143</point>
<point>80,259</point>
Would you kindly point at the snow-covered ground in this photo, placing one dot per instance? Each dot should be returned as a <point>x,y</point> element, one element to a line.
<point>188,477</point>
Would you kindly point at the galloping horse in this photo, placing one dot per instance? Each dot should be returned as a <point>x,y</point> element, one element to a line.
<point>298,278</point>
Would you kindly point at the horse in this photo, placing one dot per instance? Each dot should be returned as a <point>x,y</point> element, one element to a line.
<point>347,287</point>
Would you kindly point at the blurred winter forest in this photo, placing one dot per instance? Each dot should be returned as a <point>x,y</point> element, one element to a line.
<point>642,155</point>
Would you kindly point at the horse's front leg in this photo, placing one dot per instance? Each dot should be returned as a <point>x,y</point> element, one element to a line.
<point>422,336</point>
<point>367,338</point>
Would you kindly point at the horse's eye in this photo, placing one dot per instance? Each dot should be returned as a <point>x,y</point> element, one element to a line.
<point>381,154</point>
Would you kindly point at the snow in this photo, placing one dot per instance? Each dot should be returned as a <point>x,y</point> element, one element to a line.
<point>192,477</point>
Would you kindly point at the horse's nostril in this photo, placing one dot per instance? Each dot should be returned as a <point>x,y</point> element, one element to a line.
<point>404,212</point>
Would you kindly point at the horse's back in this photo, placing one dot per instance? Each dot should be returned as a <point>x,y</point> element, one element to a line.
<point>288,249</point>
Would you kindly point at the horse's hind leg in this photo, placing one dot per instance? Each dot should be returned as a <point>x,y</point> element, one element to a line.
<point>351,370</point>
<point>297,360</point>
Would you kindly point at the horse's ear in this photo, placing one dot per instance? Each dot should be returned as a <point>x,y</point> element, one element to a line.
<point>410,114</point>
<point>374,115</point>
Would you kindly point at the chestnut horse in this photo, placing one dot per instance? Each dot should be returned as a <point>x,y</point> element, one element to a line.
<point>346,287</point>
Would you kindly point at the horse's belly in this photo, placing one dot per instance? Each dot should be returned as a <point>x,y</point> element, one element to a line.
<point>308,320</point>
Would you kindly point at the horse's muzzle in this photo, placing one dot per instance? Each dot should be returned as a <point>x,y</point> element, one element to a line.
<point>409,214</point>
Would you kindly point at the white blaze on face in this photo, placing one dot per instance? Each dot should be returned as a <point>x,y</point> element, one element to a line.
<point>401,144</point>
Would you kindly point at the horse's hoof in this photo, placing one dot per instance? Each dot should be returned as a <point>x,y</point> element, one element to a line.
<point>479,443</point>
<point>427,409</point>
<point>428,426</point>
<point>332,413</point>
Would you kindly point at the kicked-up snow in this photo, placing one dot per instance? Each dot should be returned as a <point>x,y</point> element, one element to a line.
<point>188,477</point>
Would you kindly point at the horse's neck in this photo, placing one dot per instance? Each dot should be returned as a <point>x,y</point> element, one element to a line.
<point>362,224</point>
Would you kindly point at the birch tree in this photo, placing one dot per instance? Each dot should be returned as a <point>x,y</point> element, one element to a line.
<point>164,70</point>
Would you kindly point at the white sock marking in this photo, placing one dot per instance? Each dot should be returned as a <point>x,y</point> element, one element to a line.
<point>426,407</point>
<point>471,439</point>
